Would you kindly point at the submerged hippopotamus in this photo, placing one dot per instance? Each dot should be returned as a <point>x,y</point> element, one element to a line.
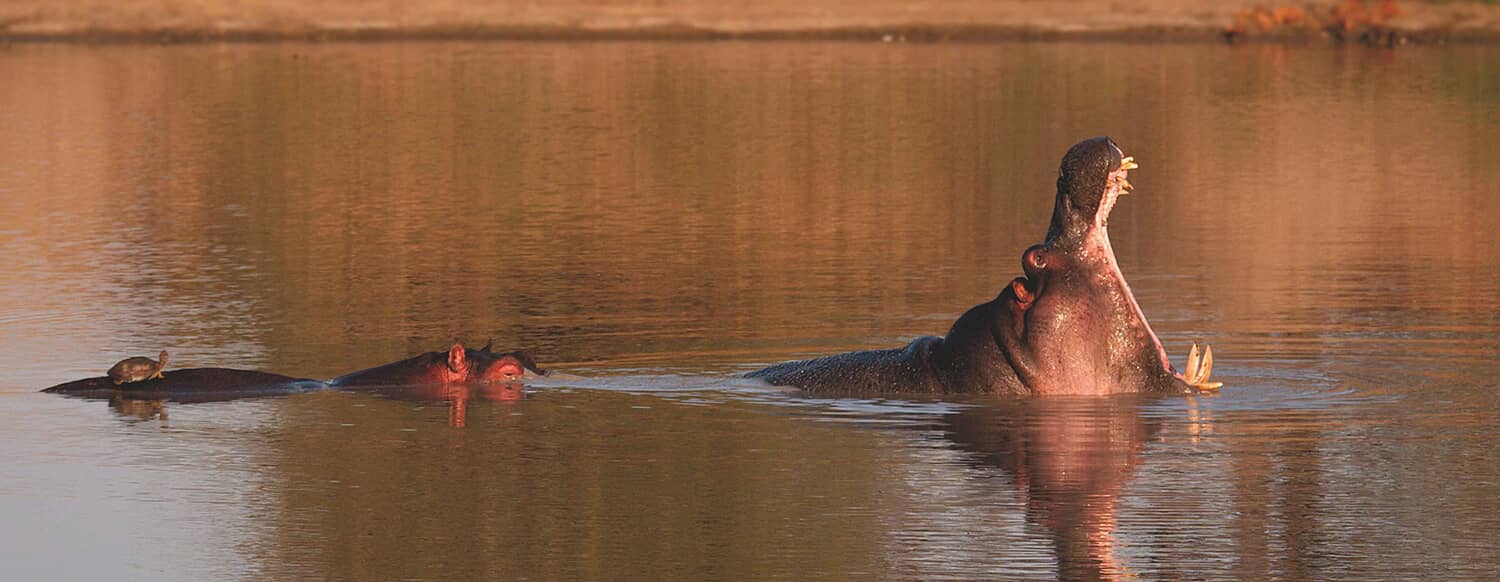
<point>458,365</point>
<point>1070,326</point>
<point>456,377</point>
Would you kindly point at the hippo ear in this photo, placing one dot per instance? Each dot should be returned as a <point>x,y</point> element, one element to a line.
<point>457,360</point>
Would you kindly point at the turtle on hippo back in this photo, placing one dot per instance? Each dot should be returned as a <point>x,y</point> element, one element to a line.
<point>137,369</point>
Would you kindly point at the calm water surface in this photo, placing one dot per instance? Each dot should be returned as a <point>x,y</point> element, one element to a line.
<point>659,218</point>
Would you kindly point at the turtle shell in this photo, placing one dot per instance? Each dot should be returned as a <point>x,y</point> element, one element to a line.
<point>134,370</point>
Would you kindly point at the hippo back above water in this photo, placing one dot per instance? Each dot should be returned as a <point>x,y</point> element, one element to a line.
<point>192,384</point>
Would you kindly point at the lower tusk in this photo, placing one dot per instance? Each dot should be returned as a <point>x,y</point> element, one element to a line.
<point>1198,369</point>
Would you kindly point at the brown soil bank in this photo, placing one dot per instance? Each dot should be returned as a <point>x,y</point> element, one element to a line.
<point>916,20</point>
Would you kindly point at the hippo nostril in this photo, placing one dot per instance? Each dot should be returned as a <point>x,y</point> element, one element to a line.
<point>1034,260</point>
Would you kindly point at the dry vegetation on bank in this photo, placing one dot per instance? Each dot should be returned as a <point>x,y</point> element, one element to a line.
<point>873,19</point>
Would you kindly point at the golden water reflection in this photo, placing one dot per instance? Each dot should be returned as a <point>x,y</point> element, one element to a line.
<point>634,212</point>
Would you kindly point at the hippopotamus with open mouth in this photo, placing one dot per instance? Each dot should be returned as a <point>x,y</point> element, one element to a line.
<point>1070,326</point>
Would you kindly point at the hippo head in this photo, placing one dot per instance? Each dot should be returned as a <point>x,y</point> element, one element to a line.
<point>483,365</point>
<point>1071,325</point>
<point>459,365</point>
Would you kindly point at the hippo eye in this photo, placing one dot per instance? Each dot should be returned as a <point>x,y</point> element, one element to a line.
<point>510,371</point>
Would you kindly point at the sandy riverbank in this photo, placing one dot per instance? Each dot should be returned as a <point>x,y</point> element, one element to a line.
<point>152,20</point>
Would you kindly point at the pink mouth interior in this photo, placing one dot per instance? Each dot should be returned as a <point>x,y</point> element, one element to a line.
<point>1112,191</point>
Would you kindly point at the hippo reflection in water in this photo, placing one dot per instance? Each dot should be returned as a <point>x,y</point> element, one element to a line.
<point>1069,461</point>
<point>1069,326</point>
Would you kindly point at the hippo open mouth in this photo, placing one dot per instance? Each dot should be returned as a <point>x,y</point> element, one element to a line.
<point>1034,262</point>
<point>1118,185</point>
<point>1070,325</point>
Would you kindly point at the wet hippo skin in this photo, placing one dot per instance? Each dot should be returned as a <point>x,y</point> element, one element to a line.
<point>1069,326</point>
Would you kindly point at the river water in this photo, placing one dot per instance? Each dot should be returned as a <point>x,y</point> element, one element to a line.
<point>658,218</point>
